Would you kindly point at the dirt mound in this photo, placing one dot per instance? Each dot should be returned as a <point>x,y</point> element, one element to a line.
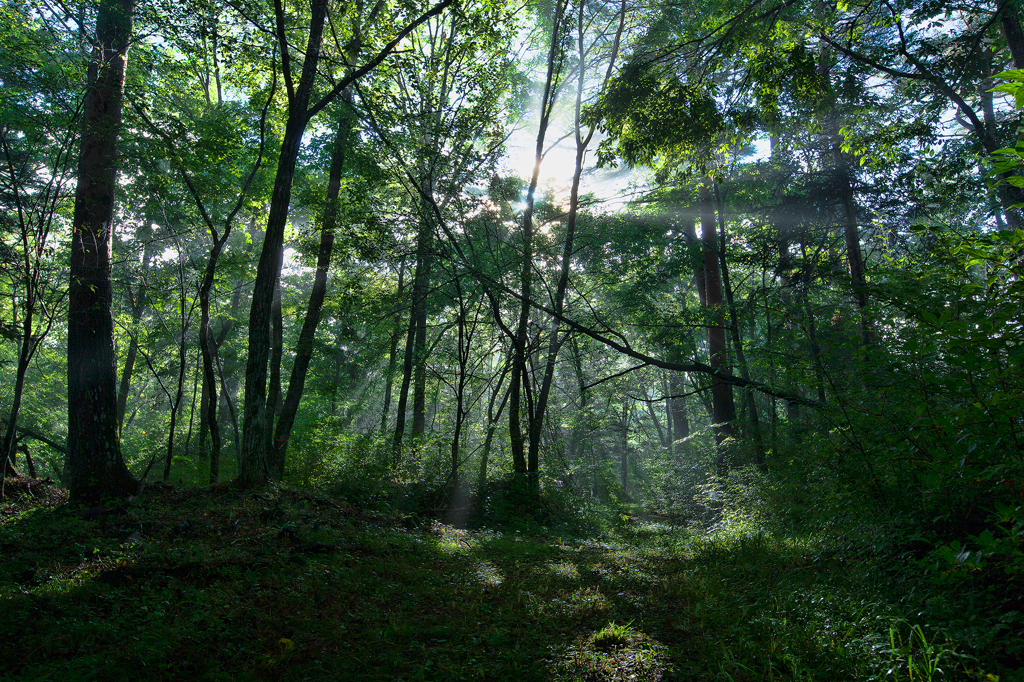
<point>23,488</point>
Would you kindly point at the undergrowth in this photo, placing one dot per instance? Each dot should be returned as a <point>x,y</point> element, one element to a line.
<point>283,584</point>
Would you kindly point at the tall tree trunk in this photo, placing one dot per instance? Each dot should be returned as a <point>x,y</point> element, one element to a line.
<point>464,344</point>
<point>252,466</point>
<point>403,392</point>
<point>94,465</point>
<point>418,327</point>
<point>583,140</point>
<point>208,352</point>
<point>192,404</point>
<point>493,415</point>
<point>176,405</point>
<point>851,232</point>
<point>734,329</point>
<point>519,359</point>
<point>304,349</point>
<point>723,409</point>
<point>274,401</point>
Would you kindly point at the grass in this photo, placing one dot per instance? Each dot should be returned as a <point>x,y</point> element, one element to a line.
<point>280,584</point>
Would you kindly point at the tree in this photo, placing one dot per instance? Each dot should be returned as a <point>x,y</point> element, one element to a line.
<point>95,466</point>
<point>36,170</point>
<point>258,419</point>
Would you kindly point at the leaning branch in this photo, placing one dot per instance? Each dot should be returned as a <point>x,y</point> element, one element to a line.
<point>372,64</point>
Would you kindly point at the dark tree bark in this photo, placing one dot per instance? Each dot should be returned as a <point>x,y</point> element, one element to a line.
<point>26,350</point>
<point>403,391</point>
<point>95,467</point>
<point>274,400</point>
<point>723,409</point>
<point>176,404</point>
<point>418,327</point>
<point>1010,22</point>
<point>252,466</point>
<point>304,350</point>
<point>677,405</point>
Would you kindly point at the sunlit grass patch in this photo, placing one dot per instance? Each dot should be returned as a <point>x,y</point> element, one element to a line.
<point>614,652</point>
<point>488,574</point>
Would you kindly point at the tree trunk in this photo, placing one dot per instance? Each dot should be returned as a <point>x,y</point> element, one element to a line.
<point>723,409</point>
<point>274,388</point>
<point>403,392</point>
<point>519,360</point>
<point>680,419</point>
<point>304,349</point>
<point>465,338</point>
<point>252,466</point>
<point>192,404</point>
<point>396,334</point>
<point>176,405</point>
<point>94,465</point>
<point>734,328</point>
<point>9,451</point>
<point>624,450</point>
<point>492,424</point>
<point>418,328</point>
<point>1010,23</point>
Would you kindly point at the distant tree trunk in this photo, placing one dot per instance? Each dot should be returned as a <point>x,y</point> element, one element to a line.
<point>624,450</point>
<point>418,327</point>
<point>180,392</point>
<point>734,328</point>
<point>851,232</point>
<point>696,258</point>
<point>811,328</point>
<point>138,304</point>
<point>396,334</point>
<point>403,392</point>
<point>677,405</point>
<point>464,349</point>
<point>583,139</point>
<point>578,426</point>
<point>493,415</point>
<point>94,465</point>
<point>723,409</point>
<point>204,404</point>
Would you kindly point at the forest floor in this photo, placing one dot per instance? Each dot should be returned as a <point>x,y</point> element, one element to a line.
<point>278,584</point>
